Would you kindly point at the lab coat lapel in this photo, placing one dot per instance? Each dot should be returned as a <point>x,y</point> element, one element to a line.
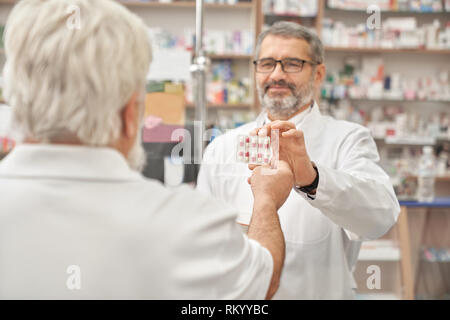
<point>312,127</point>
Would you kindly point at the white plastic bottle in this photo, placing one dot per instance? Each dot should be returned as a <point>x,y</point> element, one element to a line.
<point>426,176</point>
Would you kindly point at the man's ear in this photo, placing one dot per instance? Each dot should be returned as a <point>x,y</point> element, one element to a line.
<point>320,75</point>
<point>130,117</point>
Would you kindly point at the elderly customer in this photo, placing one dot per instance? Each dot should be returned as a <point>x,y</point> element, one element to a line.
<point>77,219</point>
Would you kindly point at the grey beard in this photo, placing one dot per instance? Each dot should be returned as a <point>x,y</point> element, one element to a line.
<point>285,107</point>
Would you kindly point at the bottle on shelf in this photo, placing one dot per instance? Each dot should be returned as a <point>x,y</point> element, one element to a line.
<point>426,176</point>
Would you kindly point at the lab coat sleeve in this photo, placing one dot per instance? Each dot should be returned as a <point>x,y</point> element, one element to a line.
<point>245,265</point>
<point>220,262</point>
<point>357,195</point>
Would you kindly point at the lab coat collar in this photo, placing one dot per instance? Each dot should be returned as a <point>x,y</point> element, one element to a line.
<point>310,113</point>
<point>66,162</point>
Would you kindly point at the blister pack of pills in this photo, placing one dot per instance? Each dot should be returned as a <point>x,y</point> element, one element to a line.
<point>253,149</point>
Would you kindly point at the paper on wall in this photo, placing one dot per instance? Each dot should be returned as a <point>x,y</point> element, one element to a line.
<point>170,64</point>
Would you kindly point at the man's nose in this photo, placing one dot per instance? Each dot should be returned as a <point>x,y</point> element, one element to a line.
<point>277,73</point>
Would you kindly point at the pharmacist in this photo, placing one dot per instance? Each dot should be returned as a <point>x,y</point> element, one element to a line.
<point>77,219</point>
<point>341,196</point>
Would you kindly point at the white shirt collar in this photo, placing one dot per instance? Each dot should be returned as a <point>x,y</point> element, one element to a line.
<point>297,119</point>
<point>66,162</point>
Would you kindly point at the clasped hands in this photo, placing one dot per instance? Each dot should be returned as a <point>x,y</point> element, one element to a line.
<point>290,163</point>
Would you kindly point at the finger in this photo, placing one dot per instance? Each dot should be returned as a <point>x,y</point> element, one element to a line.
<point>292,133</point>
<point>249,180</point>
<point>274,163</point>
<point>253,166</point>
<point>264,131</point>
<point>282,125</point>
<point>254,132</point>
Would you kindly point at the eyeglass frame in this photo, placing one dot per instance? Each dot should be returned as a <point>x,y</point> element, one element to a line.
<point>255,62</point>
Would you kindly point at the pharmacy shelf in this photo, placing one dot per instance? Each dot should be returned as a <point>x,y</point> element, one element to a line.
<point>379,250</point>
<point>438,202</point>
<point>388,100</point>
<point>411,141</point>
<point>435,261</point>
<point>224,106</point>
<point>181,4</point>
<point>445,178</point>
<point>186,4</point>
<point>406,141</point>
<point>406,12</point>
<point>312,20</point>
<point>211,56</point>
<point>386,50</point>
<point>214,56</point>
<point>380,254</point>
<point>377,296</point>
<point>230,56</point>
<point>436,255</point>
<point>288,16</point>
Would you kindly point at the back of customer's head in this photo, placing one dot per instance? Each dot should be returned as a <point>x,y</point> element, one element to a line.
<point>72,67</point>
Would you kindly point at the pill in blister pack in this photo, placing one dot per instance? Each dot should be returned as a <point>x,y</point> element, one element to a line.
<point>253,149</point>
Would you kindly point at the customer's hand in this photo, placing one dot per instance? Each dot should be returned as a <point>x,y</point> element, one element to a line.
<point>271,185</point>
<point>291,148</point>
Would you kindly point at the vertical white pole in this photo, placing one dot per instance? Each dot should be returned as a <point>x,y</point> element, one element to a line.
<point>199,69</point>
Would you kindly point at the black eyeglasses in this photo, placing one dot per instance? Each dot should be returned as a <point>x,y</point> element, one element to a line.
<point>288,65</point>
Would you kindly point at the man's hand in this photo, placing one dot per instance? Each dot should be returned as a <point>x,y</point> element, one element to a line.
<point>271,185</point>
<point>270,188</point>
<point>291,149</point>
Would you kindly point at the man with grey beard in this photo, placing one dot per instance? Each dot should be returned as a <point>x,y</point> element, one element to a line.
<point>340,195</point>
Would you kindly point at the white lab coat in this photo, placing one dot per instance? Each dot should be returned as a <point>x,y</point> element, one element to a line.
<point>355,201</point>
<point>64,207</point>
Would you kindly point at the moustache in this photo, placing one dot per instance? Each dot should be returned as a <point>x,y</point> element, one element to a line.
<point>280,83</point>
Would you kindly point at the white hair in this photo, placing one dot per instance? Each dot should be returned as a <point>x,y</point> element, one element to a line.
<point>61,80</point>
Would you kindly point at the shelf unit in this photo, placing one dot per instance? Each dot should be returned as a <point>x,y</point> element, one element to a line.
<point>255,8</point>
<point>395,58</point>
<point>399,264</point>
<point>179,4</point>
<point>230,56</point>
<point>387,50</point>
<point>419,219</point>
<point>251,9</point>
<point>187,4</point>
<point>314,21</point>
<point>329,11</point>
<point>397,100</point>
<point>402,12</point>
<point>224,105</point>
<point>379,250</point>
